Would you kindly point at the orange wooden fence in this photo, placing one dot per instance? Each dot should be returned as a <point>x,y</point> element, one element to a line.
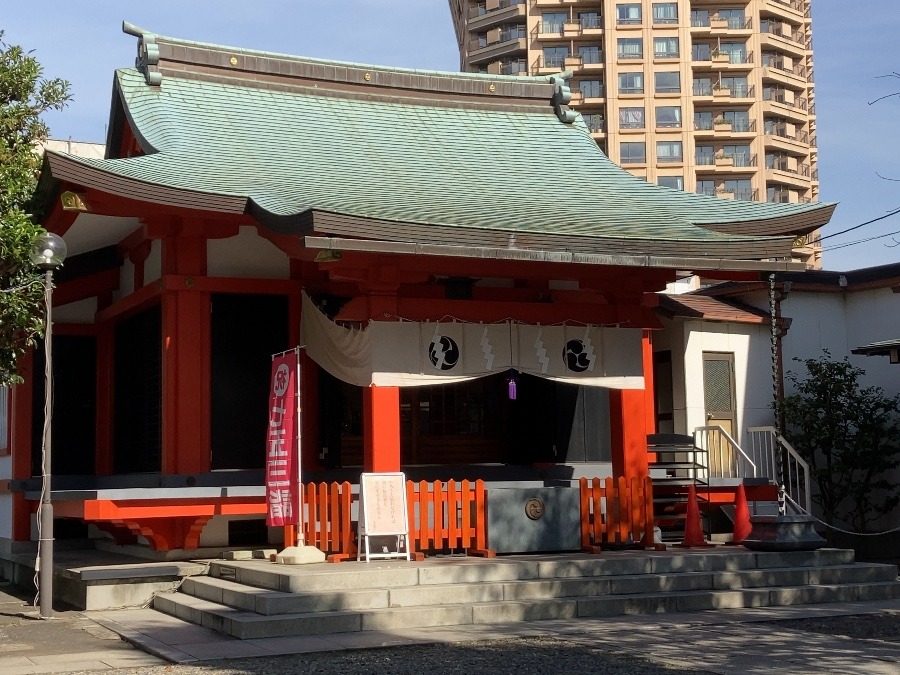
<point>327,524</point>
<point>442,517</point>
<point>616,511</point>
<point>447,516</point>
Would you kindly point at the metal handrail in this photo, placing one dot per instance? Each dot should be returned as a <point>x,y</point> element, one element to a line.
<point>726,458</point>
<point>764,443</point>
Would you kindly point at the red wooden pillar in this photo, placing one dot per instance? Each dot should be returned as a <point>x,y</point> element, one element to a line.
<point>381,429</point>
<point>631,419</point>
<point>649,382</point>
<point>186,356</point>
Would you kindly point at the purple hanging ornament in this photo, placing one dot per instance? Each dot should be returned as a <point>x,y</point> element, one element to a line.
<point>512,388</point>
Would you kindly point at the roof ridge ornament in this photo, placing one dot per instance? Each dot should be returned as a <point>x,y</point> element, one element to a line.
<point>562,95</point>
<point>147,60</point>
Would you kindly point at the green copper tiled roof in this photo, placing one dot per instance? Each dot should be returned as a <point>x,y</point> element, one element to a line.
<point>288,150</point>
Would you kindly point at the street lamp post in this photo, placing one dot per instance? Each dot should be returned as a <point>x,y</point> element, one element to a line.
<point>49,253</point>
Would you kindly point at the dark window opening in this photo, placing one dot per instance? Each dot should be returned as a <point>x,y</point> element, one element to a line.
<point>138,393</point>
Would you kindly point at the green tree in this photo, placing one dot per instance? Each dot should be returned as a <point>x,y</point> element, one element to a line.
<point>849,436</point>
<point>24,96</point>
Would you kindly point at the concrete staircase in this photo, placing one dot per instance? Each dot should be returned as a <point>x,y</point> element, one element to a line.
<point>256,599</point>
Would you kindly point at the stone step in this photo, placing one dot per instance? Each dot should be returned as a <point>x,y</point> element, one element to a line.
<point>268,602</point>
<point>245,624</point>
<point>356,576</point>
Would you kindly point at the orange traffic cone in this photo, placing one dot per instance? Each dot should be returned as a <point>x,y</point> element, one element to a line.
<point>693,529</point>
<point>742,526</point>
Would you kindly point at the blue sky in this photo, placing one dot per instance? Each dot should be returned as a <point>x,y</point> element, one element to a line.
<point>81,40</point>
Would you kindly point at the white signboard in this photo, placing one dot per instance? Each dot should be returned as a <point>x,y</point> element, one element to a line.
<point>383,515</point>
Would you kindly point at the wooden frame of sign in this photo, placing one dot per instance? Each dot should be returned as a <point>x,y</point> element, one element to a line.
<point>383,513</point>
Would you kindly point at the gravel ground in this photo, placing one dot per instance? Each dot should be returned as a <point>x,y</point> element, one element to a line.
<point>524,656</point>
<point>884,626</point>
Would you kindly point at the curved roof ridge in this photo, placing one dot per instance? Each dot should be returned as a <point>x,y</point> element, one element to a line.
<point>145,36</point>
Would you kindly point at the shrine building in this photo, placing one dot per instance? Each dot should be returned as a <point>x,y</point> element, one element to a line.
<point>462,313</point>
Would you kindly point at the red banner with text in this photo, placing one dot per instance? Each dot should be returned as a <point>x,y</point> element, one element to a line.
<point>283,442</point>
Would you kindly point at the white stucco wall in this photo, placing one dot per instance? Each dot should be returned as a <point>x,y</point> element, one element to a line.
<point>246,255</point>
<point>840,322</point>
<point>126,280</point>
<point>153,263</point>
<point>873,316</point>
<point>750,346</point>
<point>82,311</point>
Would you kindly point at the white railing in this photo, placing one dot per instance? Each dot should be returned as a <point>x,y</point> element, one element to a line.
<point>765,444</point>
<point>725,456</point>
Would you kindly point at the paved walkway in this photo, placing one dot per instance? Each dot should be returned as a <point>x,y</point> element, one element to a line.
<point>724,641</point>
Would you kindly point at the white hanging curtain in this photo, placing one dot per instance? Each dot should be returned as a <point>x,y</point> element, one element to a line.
<point>415,354</point>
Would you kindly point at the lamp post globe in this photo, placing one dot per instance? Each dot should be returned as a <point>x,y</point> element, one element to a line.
<point>49,253</point>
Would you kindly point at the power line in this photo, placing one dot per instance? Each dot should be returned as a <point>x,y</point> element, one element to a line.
<point>856,227</point>
<point>860,241</point>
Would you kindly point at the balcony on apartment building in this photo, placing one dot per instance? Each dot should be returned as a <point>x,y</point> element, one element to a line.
<point>709,22</point>
<point>587,92</point>
<point>731,127</point>
<point>725,160</point>
<point>783,136</point>
<point>707,126</point>
<point>498,43</point>
<point>779,195</point>
<point>720,57</point>
<point>794,10</point>
<point>788,171</point>
<point>707,92</point>
<point>784,37</point>
<point>587,59</point>
<point>595,124</point>
<point>724,191</point>
<point>782,69</point>
<point>785,103</point>
<point>514,67</point>
<point>587,24</point>
<point>485,15</point>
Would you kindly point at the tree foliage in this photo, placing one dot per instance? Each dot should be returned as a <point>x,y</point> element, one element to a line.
<point>24,96</point>
<point>849,436</point>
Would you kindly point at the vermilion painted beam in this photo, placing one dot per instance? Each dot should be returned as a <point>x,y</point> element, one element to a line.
<point>588,276</point>
<point>59,221</point>
<point>88,286</point>
<point>229,285</point>
<point>131,304</point>
<point>381,429</point>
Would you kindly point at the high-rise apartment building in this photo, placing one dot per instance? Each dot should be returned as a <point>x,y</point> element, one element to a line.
<point>708,96</point>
